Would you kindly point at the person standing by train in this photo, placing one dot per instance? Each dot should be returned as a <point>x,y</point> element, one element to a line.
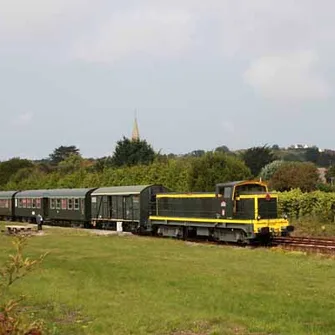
<point>39,221</point>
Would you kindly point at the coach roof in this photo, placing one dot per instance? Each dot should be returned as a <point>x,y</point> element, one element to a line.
<point>59,193</point>
<point>121,190</point>
<point>7,194</point>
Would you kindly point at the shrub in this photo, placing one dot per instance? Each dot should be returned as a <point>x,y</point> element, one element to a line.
<point>16,268</point>
<point>292,175</point>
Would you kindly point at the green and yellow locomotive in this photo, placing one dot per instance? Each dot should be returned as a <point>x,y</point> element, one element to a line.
<point>240,212</point>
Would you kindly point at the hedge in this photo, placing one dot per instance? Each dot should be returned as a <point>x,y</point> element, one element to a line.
<point>318,205</point>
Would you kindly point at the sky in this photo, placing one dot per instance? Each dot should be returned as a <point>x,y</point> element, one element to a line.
<point>199,73</point>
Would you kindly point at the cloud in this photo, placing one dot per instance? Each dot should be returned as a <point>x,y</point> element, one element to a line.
<point>23,119</point>
<point>288,76</point>
<point>228,127</point>
<point>109,30</point>
<point>20,19</point>
<point>149,31</point>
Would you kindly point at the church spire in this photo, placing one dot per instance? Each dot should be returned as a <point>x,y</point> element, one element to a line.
<point>136,134</point>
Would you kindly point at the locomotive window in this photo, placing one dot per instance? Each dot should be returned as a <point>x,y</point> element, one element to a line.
<point>70,204</point>
<point>58,203</point>
<point>227,192</point>
<point>76,204</point>
<point>53,203</point>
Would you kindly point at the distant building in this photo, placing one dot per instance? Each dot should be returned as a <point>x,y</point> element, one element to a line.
<point>322,175</point>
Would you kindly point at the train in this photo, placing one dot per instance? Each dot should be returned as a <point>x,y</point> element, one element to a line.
<point>240,211</point>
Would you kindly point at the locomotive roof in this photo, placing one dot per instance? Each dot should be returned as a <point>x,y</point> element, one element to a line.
<point>66,192</point>
<point>241,182</point>
<point>7,194</point>
<point>121,190</point>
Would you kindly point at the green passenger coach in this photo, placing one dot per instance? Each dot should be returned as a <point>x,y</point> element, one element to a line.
<point>236,212</point>
<point>7,205</point>
<point>70,206</point>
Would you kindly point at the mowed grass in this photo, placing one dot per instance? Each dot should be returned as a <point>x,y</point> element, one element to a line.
<point>134,285</point>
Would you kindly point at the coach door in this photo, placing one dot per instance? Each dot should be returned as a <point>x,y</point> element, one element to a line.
<point>45,207</point>
<point>128,208</point>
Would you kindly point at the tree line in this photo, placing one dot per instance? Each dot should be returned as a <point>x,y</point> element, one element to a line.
<point>136,162</point>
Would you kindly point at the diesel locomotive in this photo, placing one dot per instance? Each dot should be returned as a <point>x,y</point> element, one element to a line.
<point>241,211</point>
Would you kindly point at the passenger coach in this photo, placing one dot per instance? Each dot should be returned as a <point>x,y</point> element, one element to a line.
<point>69,206</point>
<point>28,204</point>
<point>7,205</point>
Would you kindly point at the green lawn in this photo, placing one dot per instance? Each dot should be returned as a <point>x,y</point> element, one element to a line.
<point>134,285</point>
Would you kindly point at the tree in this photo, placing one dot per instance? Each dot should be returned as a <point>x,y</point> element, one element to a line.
<point>330,175</point>
<point>11,167</point>
<point>196,153</point>
<point>102,163</point>
<point>214,168</point>
<point>312,155</point>
<point>269,170</point>
<point>71,164</point>
<point>293,175</point>
<point>326,158</point>
<point>222,148</point>
<point>132,152</point>
<point>257,157</point>
<point>63,152</point>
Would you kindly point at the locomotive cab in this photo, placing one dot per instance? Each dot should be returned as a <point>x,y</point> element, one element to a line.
<point>251,200</point>
<point>241,199</point>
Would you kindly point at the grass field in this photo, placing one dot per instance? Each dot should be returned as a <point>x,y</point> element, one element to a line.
<point>133,285</point>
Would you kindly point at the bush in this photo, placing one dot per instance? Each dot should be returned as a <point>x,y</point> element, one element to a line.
<point>17,267</point>
<point>269,170</point>
<point>292,175</point>
<point>317,205</point>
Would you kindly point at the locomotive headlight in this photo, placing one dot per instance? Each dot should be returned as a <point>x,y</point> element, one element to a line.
<point>285,216</point>
<point>259,217</point>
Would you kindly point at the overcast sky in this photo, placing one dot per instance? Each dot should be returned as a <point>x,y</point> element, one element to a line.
<point>200,74</point>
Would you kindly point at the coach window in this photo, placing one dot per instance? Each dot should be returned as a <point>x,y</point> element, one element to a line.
<point>29,203</point>
<point>7,203</point>
<point>58,202</point>
<point>24,203</point>
<point>64,204</point>
<point>38,203</point>
<point>52,203</point>
<point>20,203</point>
<point>70,204</point>
<point>33,201</point>
<point>76,204</point>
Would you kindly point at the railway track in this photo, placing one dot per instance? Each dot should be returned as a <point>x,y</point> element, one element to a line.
<point>309,244</point>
